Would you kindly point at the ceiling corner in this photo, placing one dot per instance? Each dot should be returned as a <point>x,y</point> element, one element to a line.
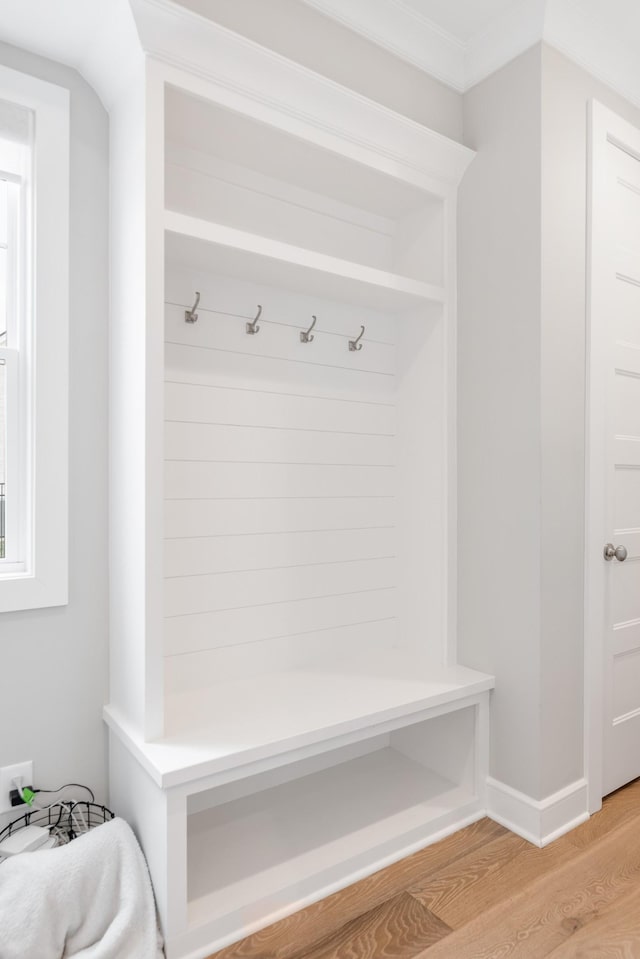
<point>603,41</point>
<point>397,27</point>
<point>503,39</point>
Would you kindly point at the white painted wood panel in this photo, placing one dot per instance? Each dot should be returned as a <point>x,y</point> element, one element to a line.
<point>210,592</point>
<point>194,123</point>
<point>626,682</point>
<point>625,594</point>
<point>194,243</point>
<point>626,637</point>
<point>625,321</point>
<point>198,442</point>
<point>240,517</point>
<point>217,554</point>
<point>226,295</point>
<point>279,341</point>
<point>258,623</point>
<point>270,183</point>
<point>191,364</point>
<point>626,498</point>
<point>627,451</point>
<point>626,400</point>
<point>260,205</point>
<point>245,406</point>
<point>285,837</point>
<point>239,788</point>
<point>628,215</point>
<point>279,480</point>
<point>626,169</point>
<point>233,480</point>
<point>368,642</point>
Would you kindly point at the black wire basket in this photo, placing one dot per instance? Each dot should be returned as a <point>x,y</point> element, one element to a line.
<point>64,820</point>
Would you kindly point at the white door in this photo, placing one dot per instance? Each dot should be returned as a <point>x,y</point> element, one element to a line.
<point>613,457</point>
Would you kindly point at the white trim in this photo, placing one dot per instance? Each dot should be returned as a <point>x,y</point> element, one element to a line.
<point>403,31</point>
<point>11,561</point>
<point>595,523</point>
<point>44,378</point>
<point>604,46</point>
<point>172,763</point>
<point>414,38</point>
<point>238,72</point>
<point>14,411</point>
<point>539,821</point>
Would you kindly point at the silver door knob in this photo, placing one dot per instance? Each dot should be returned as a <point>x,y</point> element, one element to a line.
<point>617,552</point>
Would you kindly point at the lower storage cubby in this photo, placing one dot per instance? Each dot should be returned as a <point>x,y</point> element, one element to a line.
<point>231,853</point>
<point>252,857</point>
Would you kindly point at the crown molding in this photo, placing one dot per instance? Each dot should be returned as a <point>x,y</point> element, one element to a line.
<point>601,41</point>
<point>401,30</point>
<point>398,28</point>
<point>243,75</point>
<point>586,31</point>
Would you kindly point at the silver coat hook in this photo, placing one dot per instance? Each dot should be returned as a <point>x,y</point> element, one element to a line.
<point>190,316</point>
<point>306,336</point>
<point>253,327</point>
<point>353,344</point>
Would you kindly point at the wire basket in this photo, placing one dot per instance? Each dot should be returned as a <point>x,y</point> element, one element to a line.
<point>64,820</point>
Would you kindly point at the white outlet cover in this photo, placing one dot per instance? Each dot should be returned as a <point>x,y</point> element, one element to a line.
<point>7,775</point>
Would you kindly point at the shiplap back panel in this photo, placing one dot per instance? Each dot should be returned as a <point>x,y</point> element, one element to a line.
<point>280,478</point>
<point>367,642</point>
<point>206,186</point>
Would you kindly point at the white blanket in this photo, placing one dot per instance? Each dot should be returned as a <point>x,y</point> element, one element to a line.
<point>91,898</point>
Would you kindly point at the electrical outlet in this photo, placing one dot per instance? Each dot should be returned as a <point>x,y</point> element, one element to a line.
<point>7,775</point>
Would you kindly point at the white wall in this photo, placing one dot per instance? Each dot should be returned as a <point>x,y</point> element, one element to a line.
<point>53,672</point>
<point>306,36</point>
<point>499,410</point>
<point>522,241</point>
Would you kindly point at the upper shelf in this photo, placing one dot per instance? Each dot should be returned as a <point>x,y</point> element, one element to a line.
<point>235,723</point>
<point>195,125</point>
<point>212,247</point>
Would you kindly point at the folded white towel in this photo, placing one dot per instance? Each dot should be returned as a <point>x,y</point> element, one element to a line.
<point>91,898</point>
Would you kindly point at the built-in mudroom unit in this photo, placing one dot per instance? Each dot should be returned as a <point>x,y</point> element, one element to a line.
<point>287,714</point>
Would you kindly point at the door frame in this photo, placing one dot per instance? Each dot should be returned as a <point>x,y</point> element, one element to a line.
<point>604,128</point>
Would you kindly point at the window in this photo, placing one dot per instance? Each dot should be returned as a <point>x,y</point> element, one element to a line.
<point>34,255</point>
<point>15,156</point>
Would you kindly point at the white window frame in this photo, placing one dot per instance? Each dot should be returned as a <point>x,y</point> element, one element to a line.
<point>39,369</point>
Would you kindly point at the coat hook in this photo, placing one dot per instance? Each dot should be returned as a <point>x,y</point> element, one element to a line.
<point>306,336</point>
<point>190,316</point>
<point>353,344</point>
<point>253,327</point>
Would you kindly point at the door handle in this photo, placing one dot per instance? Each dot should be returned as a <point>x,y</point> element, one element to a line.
<point>617,552</point>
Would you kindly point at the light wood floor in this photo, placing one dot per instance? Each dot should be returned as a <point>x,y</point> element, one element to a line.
<point>483,893</point>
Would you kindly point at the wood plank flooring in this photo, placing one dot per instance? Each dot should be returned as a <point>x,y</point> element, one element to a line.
<point>483,893</point>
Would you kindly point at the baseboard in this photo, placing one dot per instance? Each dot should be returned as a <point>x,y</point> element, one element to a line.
<point>539,821</point>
